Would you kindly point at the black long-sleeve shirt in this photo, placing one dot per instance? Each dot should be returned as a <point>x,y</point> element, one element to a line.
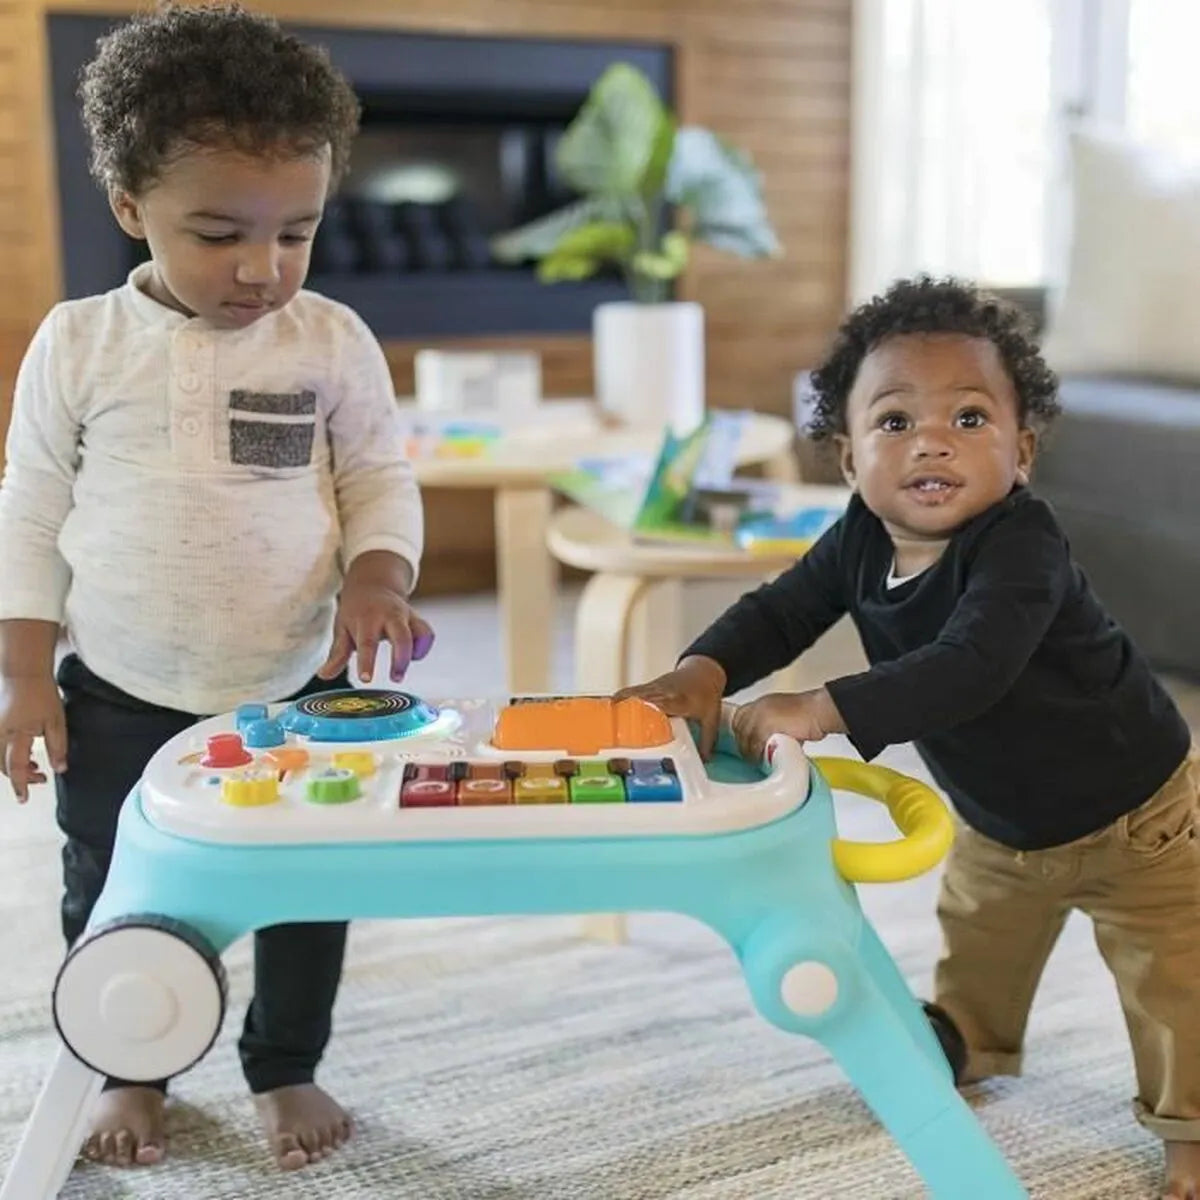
<point>1028,702</point>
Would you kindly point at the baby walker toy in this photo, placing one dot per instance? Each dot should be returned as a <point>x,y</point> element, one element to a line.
<point>358,804</point>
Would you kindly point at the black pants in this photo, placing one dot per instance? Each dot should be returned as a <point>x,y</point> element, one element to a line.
<point>111,736</point>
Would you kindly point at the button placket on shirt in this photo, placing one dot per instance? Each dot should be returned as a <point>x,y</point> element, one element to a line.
<point>191,395</point>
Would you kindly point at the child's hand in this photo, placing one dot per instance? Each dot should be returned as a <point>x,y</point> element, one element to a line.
<point>30,707</point>
<point>806,716</point>
<point>369,613</point>
<point>693,690</point>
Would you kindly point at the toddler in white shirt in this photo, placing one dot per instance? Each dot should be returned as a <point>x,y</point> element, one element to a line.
<point>206,486</point>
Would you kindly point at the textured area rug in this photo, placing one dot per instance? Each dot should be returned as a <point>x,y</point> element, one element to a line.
<point>510,1060</point>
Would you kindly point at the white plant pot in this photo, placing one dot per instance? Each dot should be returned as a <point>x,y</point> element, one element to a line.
<point>649,363</point>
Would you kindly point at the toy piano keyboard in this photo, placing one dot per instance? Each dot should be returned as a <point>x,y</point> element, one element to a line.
<point>368,765</point>
<point>366,804</point>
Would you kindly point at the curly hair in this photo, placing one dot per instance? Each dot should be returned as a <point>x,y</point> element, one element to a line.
<point>927,305</point>
<point>211,75</point>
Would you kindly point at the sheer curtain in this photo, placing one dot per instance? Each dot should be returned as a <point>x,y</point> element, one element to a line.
<point>962,110</point>
<point>958,131</point>
<point>1162,100</point>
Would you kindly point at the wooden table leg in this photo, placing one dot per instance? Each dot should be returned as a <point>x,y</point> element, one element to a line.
<point>656,631</point>
<point>526,587</point>
<point>610,612</point>
<point>604,622</point>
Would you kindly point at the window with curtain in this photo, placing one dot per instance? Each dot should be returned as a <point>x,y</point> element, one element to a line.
<point>1162,99</point>
<point>962,110</point>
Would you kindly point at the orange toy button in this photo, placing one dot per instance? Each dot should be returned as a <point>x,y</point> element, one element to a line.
<point>490,770</point>
<point>581,725</point>
<point>641,725</point>
<point>484,791</point>
<point>287,758</point>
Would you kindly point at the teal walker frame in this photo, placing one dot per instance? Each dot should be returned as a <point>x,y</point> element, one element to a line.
<point>813,963</point>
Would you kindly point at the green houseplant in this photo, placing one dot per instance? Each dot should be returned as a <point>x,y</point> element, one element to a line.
<point>633,167</point>
<point>647,189</point>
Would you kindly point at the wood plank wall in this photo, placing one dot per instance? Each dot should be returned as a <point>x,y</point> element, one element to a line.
<point>29,262</point>
<point>773,76</point>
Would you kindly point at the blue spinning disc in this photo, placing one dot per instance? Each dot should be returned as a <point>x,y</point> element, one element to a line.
<point>357,715</point>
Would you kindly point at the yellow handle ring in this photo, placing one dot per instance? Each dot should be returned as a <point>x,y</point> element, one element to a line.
<point>917,810</point>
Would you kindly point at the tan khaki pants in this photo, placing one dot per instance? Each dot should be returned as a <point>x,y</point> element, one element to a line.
<point>1001,912</point>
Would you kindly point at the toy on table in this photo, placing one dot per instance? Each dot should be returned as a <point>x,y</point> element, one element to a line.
<point>766,533</point>
<point>431,437</point>
<point>688,495</point>
<point>376,804</point>
<point>666,496</point>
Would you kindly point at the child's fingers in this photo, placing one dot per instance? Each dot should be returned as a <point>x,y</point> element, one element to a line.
<point>55,735</point>
<point>737,719</point>
<point>744,732</point>
<point>750,746</point>
<point>710,726</point>
<point>652,691</point>
<point>422,636</point>
<point>366,646</point>
<point>400,635</point>
<point>19,765</point>
<point>339,654</point>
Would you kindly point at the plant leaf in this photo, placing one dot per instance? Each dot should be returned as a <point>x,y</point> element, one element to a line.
<point>654,178</point>
<point>665,263</point>
<point>565,268</point>
<point>581,252</point>
<point>744,241</point>
<point>611,143</point>
<point>540,237</point>
<point>650,265</point>
<point>722,191</point>
<point>675,246</point>
<point>601,239</point>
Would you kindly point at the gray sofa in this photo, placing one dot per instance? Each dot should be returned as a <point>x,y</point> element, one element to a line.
<point>1122,470</point>
<point>1121,467</point>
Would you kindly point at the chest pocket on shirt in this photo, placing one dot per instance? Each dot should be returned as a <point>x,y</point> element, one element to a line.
<point>271,429</point>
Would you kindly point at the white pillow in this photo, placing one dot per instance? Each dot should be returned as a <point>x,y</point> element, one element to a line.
<point>1131,302</point>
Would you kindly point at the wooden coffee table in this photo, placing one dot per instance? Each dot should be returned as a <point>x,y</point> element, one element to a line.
<point>517,466</point>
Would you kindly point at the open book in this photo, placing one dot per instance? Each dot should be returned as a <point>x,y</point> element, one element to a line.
<point>687,493</point>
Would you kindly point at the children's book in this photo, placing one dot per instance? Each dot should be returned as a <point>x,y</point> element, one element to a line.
<point>687,493</point>
<point>784,533</point>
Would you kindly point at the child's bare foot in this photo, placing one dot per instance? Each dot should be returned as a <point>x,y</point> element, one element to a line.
<point>127,1128</point>
<point>302,1123</point>
<point>1183,1171</point>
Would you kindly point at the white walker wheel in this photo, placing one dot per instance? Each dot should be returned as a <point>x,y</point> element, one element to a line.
<point>140,998</point>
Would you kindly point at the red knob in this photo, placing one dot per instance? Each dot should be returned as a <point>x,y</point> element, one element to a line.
<point>225,750</point>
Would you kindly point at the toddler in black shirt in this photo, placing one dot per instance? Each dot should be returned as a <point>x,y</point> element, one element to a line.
<point>1065,758</point>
